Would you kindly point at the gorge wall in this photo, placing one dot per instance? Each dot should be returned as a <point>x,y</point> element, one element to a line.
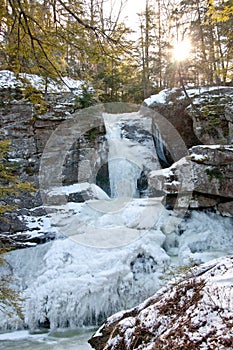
<point>29,130</point>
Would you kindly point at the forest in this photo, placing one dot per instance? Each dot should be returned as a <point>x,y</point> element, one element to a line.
<point>172,42</point>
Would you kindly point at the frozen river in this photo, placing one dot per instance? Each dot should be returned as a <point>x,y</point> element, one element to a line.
<point>67,340</point>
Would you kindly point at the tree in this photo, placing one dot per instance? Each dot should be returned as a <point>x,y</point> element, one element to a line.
<point>9,180</point>
<point>206,23</point>
<point>54,38</point>
<point>10,300</point>
<point>211,36</point>
<point>49,30</point>
<point>145,45</point>
<point>106,68</point>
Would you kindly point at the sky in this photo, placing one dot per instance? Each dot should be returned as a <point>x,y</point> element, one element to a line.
<point>133,7</point>
<point>130,10</point>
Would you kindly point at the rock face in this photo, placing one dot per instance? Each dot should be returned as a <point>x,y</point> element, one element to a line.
<point>212,114</point>
<point>29,133</point>
<point>206,176</point>
<point>195,312</point>
<point>205,118</point>
<point>173,108</point>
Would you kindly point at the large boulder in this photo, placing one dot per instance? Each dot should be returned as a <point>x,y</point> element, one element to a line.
<point>206,176</point>
<point>212,114</point>
<point>193,312</point>
<point>77,193</point>
<point>172,104</point>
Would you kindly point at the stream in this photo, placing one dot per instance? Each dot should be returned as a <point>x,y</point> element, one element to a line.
<point>63,340</point>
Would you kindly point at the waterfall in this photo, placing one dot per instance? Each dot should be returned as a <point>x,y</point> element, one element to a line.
<point>130,152</point>
<point>72,282</point>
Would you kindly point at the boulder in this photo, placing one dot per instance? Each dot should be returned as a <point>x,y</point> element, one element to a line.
<point>193,312</point>
<point>206,176</point>
<point>10,222</point>
<point>172,104</point>
<point>77,193</point>
<point>212,114</point>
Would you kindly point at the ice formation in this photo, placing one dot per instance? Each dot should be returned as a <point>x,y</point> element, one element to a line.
<point>194,312</point>
<point>110,254</point>
<point>127,157</point>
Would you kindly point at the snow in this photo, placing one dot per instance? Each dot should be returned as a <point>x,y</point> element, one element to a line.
<point>195,310</point>
<point>198,157</point>
<point>162,96</point>
<point>93,189</point>
<point>228,147</point>
<point>108,223</point>
<point>162,172</point>
<point>14,335</point>
<point>8,79</point>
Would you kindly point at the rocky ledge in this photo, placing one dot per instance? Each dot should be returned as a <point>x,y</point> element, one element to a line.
<point>205,117</point>
<point>194,312</point>
<point>203,179</point>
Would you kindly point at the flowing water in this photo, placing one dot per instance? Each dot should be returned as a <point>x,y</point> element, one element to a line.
<point>67,340</point>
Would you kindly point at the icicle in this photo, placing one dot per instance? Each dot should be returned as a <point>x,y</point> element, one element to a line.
<point>160,149</point>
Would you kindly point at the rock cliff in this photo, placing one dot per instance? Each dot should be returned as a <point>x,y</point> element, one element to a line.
<point>206,117</point>
<point>29,131</point>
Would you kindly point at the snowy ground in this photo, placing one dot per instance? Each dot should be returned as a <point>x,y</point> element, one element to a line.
<point>194,93</point>
<point>8,79</point>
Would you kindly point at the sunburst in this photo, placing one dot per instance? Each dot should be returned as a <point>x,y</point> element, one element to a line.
<point>182,50</point>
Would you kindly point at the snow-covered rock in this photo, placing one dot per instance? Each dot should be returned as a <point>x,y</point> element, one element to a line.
<point>207,174</point>
<point>194,312</point>
<point>206,117</point>
<point>78,193</point>
<point>9,79</point>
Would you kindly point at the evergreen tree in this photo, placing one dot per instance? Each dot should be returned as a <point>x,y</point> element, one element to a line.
<point>211,36</point>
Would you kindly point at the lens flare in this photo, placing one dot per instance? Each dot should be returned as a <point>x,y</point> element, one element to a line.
<point>182,50</point>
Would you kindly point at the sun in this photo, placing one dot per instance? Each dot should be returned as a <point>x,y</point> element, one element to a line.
<point>182,50</point>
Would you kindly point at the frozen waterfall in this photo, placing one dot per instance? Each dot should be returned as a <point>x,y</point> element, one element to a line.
<point>75,281</point>
<point>131,150</point>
